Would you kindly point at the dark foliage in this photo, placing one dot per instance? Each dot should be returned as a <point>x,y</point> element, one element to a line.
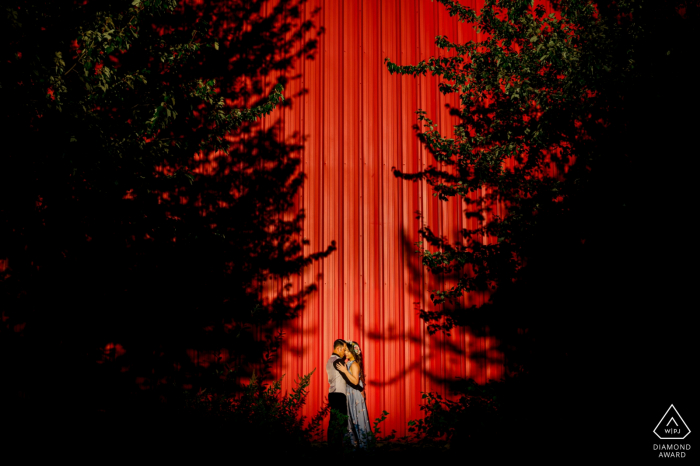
<point>122,245</point>
<point>257,415</point>
<point>591,270</point>
<point>501,420</point>
<point>552,124</point>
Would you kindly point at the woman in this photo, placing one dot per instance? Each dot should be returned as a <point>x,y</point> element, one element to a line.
<point>359,428</point>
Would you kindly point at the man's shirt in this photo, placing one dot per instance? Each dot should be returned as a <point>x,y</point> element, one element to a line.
<point>335,378</point>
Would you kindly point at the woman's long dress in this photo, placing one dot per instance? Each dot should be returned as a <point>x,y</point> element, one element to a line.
<point>358,420</point>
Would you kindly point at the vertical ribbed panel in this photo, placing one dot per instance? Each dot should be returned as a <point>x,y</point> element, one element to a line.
<point>359,121</point>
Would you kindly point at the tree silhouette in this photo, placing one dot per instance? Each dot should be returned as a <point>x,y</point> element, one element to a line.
<point>577,124</point>
<point>146,207</point>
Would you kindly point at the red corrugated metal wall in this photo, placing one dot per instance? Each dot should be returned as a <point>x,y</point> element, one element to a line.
<point>359,123</point>
<point>356,122</point>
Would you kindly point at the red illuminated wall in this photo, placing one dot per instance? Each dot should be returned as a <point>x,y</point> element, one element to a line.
<point>358,120</point>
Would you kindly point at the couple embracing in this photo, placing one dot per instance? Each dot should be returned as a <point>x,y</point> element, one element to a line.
<point>346,395</point>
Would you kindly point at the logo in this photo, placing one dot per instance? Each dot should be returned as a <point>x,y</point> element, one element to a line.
<point>671,426</point>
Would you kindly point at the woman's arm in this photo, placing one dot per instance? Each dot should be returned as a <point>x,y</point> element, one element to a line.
<point>353,374</point>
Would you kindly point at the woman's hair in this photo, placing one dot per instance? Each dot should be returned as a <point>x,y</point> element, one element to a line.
<point>354,349</point>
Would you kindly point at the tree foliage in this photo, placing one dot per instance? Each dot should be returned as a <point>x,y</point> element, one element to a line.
<point>146,206</point>
<point>120,82</point>
<point>547,95</point>
<point>257,414</point>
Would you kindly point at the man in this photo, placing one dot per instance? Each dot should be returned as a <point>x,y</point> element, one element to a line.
<point>336,395</point>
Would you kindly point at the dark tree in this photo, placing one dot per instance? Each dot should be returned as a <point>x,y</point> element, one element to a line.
<point>581,124</point>
<point>142,208</point>
<point>553,109</point>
